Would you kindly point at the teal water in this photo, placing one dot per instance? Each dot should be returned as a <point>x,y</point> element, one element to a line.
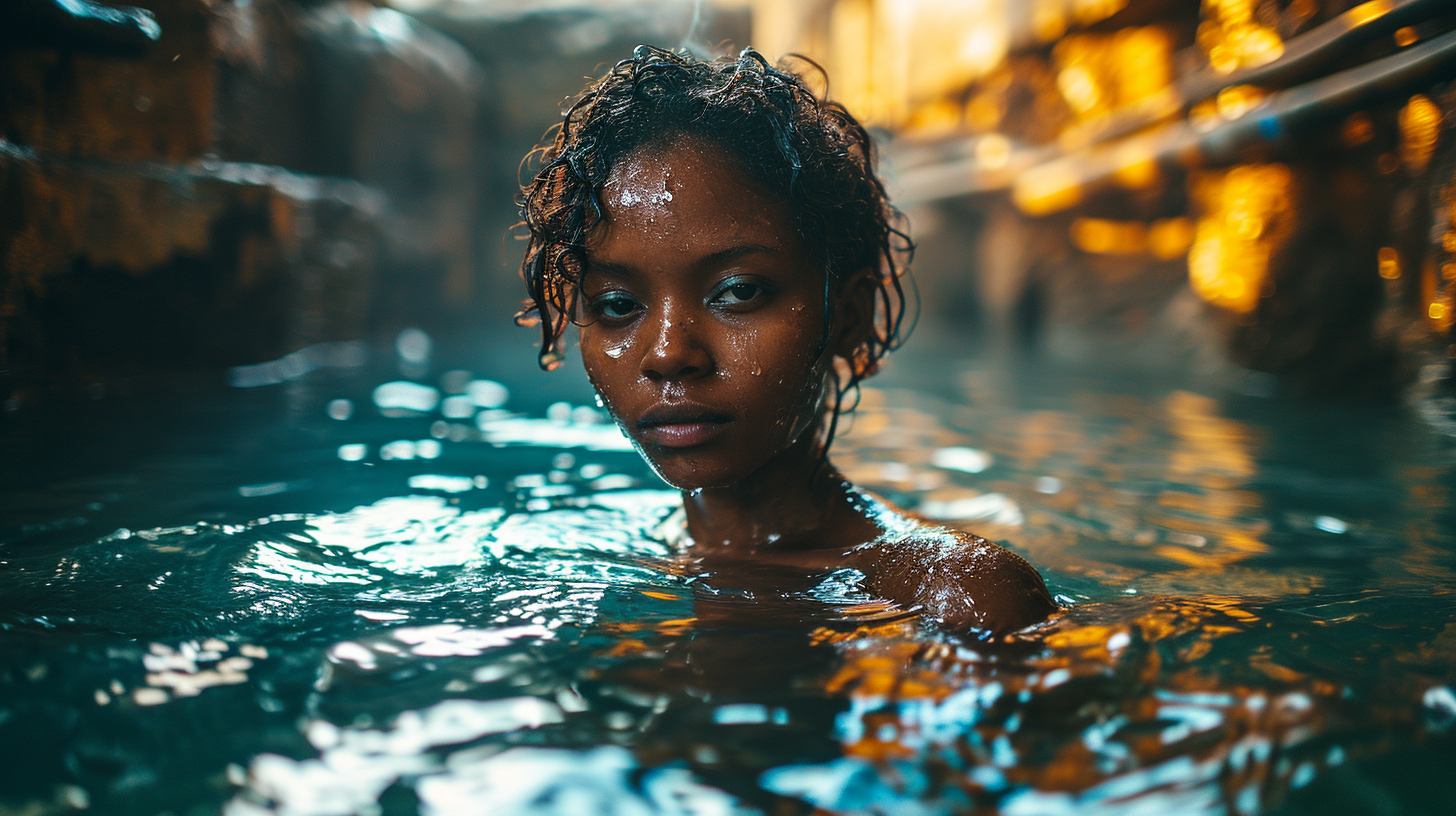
<point>462,595</point>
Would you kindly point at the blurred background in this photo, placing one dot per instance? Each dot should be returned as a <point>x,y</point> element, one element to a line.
<point>1186,279</point>
<point>1218,187</point>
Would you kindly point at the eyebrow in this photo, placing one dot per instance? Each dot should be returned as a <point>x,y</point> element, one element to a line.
<point>730,254</point>
<point>710,261</point>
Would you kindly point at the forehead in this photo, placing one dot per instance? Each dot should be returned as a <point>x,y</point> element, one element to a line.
<point>687,198</point>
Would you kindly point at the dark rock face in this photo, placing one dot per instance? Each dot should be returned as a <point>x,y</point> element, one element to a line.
<point>158,106</point>
<point>350,90</point>
<point>122,269</point>
<point>80,26</point>
<point>257,181</point>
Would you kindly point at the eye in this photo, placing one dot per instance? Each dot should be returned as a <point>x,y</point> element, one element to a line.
<point>615,305</point>
<point>738,292</point>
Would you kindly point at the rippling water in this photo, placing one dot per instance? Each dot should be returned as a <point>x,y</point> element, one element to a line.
<point>333,596</point>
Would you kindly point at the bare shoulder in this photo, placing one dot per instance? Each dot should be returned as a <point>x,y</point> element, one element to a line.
<point>966,583</point>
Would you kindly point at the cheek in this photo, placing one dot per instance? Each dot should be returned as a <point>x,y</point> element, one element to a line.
<point>780,360</point>
<point>606,363</point>
<point>786,348</point>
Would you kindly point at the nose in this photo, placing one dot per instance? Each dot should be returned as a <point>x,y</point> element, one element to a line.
<point>675,350</point>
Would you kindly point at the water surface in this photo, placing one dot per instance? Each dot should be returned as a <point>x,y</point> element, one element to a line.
<point>461,597</point>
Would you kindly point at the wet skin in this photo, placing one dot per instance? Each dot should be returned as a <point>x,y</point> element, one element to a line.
<point>704,333</point>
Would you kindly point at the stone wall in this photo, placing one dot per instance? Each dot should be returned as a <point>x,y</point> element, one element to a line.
<point>264,176</point>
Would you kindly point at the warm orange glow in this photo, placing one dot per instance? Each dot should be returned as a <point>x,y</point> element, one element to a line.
<point>1102,237</point>
<point>1232,37</point>
<point>1436,295</point>
<point>1170,238</point>
<point>1420,127</point>
<point>1048,188</point>
<point>1137,168</point>
<point>983,112</point>
<point>1441,313</point>
<point>1235,101</point>
<point>1204,116</point>
<point>1100,73</point>
<point>941,117</point>
<point>1091,11</point>
<point>1244,215</point>
<point>851,41</point>
<point>1165,239</point>
<point>1357,130</point>
<point>1080,89</point>
<point>1405,36</point>
<point>993,151</point>
<point>1049,20</point>
<point>896,64</point>
<point>1365,12</point>
<point>1388,262</point>
<point>1212,451</point>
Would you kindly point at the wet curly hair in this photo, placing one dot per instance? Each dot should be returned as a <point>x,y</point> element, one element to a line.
<point>807,150</point>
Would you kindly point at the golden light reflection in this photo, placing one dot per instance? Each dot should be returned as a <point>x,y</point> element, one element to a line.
<point>1049,20</point>
<point>1245,214</point>
<point>1165,239</point>
<point>1170,238</point>
<point>1365,12</point>
<point>1420,127</point>
<point>1103,237</point>
<point>910,699</point>
<point>1212,452</point>
<point>993,151</point>
<point>1232,38</point>
<point>1388,262</point>
<point>1440,306</point>
<point>1439,311</point>
<point>1236,100</point>
<point>893,59</point>
<point>1100,73</point>
<point>895,64</point>
<point>1207,522</point>
<point>1046,189</point>
<point>1136,167</point>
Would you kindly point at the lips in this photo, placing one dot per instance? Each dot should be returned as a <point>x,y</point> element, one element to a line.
<point>681,425</point>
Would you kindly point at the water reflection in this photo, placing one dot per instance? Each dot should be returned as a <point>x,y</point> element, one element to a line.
<point>1255,609</point>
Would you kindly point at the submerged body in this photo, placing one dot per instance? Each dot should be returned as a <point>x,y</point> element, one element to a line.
<point>726,294</point>
<point>962,582</point>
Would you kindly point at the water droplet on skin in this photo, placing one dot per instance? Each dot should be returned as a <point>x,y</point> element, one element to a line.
<point>615,352</point>
<point>756,370</point>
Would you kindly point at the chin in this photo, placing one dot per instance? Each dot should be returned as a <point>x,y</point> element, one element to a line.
<point>684,471</point>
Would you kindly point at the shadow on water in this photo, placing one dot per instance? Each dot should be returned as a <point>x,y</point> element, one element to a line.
<point>460,595</point>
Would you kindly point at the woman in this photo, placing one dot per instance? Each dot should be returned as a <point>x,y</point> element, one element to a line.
<point>719,235</point>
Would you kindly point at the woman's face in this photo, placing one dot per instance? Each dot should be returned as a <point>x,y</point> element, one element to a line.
<point>705,313</point>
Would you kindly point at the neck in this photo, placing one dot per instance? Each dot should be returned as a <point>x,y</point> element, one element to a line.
<point>795,501</point>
